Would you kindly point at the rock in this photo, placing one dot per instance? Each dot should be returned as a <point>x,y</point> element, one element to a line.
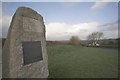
<point>24,51</point>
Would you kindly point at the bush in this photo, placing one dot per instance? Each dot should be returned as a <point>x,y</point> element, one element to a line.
<point>74,40</point>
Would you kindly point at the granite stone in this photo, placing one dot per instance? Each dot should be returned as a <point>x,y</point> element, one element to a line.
<point>26,25</point>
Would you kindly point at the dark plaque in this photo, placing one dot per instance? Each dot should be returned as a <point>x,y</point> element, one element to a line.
<point>32,52</point>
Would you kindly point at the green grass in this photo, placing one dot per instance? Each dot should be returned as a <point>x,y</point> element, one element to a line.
<point>0,61</point>
<point>66,61</point>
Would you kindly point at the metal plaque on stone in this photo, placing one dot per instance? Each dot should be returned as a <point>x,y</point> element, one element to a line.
<point>32,52</point>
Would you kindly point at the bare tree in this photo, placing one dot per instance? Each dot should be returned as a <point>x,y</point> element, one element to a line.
<point>95,37</point>
<point>74,40</point>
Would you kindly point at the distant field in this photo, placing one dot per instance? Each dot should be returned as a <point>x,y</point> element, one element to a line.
<point>66,61</point>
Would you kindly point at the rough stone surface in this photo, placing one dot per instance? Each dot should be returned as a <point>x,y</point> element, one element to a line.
<point>26,25</point>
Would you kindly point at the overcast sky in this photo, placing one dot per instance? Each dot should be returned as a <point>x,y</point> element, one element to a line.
<point>66,19</point>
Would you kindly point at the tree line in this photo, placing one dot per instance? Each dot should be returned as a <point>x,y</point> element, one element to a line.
<point>93,39</point>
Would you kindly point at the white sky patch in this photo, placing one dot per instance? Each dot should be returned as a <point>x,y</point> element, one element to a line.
<point>99,5</point>
<point>5,24</point>
<point>6,21</point>
<point>63,31</point>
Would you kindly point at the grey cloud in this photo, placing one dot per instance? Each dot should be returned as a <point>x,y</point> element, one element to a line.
<point>110,29</point>
<point>109,26</point>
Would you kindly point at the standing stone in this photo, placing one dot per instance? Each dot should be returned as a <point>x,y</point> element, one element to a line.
<point>24,51</point>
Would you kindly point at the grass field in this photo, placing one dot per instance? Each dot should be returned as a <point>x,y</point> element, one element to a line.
<point>66,61</point>
<point>0,62</point>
